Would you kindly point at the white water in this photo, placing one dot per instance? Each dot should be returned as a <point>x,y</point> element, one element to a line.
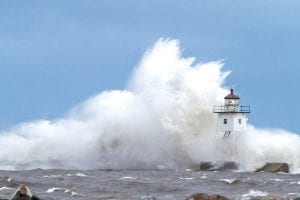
<point>254,193</point>
<point>162,120</point>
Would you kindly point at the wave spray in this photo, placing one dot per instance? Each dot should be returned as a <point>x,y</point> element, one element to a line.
<point>163,120</point>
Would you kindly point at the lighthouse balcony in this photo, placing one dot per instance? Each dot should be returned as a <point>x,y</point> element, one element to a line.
<point>231,109</point>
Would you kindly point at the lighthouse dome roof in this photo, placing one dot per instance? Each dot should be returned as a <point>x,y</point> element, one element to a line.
<point>231,95</point>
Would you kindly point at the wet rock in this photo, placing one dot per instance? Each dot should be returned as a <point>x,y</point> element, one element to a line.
<point>23,193</point>
<point>204,196</point>
<point>274,167</point>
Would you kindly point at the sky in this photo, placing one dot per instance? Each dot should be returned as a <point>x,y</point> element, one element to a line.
<point>55,54</point>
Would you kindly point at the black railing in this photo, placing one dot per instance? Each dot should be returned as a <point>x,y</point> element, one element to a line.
<point>231,109</point>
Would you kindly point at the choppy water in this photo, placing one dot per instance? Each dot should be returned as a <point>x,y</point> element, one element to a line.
<point>138,184</point>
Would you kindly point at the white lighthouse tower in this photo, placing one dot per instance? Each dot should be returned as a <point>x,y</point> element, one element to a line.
<point>231,122</point>
<point>231,117</point>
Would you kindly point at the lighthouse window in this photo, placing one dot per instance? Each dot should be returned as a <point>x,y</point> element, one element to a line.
<point>225,121</point>
<point>240,121</point>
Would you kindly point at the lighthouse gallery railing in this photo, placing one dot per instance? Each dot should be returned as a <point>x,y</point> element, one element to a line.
<point>231,109</point>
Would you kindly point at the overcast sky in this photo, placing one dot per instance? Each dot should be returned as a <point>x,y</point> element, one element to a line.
<point>55,54</point>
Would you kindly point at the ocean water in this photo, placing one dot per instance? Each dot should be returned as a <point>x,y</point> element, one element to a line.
<point>139,184</point>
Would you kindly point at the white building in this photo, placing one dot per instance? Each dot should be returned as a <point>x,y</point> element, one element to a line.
<point>231,117</point>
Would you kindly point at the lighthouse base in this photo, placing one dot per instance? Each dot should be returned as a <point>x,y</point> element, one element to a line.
<point>218,166</point>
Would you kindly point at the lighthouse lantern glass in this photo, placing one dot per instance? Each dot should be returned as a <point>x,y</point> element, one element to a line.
<point>230,102</point>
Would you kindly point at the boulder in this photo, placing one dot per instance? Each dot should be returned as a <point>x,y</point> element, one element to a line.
<point>274,167</point>
<point>23,193</point>
<point>204,196</point>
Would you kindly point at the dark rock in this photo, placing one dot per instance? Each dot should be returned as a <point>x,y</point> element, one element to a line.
<point>207,166</point>
<point>204,196</point>
<point>274,167</point>
<point>23,193</point>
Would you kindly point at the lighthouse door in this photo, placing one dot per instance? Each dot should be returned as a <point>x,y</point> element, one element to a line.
<point>226,134</point>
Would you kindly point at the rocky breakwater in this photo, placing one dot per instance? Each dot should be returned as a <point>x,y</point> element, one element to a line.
<point>274,167</point>
<point>229,165</point>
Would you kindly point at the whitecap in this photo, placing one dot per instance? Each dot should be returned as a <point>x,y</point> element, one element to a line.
<point>276,179</point>
<point>75,194</point>
<point>254,193</point>
<point>72,193</point>
<point>6,188</point>
<point>189,178</point>
<point>51,190</point>
<point>186,178</point>
<point>80,175</point>
<point>52,176</point>
<point>294,182</point>
<point>229,181</point>
<point>203,177</point>
<point>127,177</point>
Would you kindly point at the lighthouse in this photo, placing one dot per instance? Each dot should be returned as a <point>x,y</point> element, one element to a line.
<point>231,117</point>
<point>231,122</point>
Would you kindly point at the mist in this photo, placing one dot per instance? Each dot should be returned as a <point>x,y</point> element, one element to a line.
<point>162,120</point>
